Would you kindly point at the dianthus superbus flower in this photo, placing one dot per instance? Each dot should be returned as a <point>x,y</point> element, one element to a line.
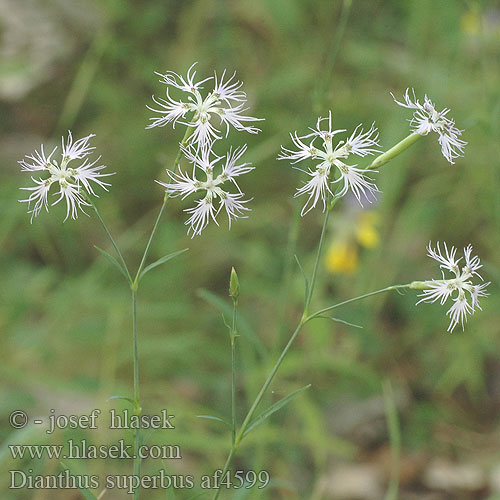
<point>427,119</point>
<point>226,101</point>
<point>70,180</point>
<point>332,168</point>
<point>213,187</point>
<point>460,288</point>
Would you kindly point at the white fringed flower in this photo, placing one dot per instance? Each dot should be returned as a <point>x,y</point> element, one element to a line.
<point>426,119</point>
<point>72,181</point>
<point>331,169</point>
<point>464,294</point>
<point>215,198</point>
<point>226,101</point>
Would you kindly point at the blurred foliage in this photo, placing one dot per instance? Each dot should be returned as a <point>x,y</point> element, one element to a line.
<point>64,314</point>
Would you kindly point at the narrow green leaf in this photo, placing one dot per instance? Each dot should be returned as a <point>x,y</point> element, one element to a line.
<point>112,260</point>
<point>130,400</point>
<point>211,417</point>
<point>273,409</point>
<point>88,495</point>
<point>164,259</point>
<point>228,326</point>
<point>306,281</point>
<point>338,320</point>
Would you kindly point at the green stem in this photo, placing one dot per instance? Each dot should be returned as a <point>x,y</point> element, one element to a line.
<point>135,284</point>
<point>224,470</point>
<point>360,297</point>
<point>136,347</point>
<point>137,439</point>
<point>256,403</point>
<point>292,338</point>
<point>394,151</point>
<point>184,141</point>
<point>318,257</point>
<point>115,246</point>
<point>267,383</point>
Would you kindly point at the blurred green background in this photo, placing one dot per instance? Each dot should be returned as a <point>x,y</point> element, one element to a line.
<point>66,339</point>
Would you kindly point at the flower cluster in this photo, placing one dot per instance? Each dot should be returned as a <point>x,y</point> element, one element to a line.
<point>464,294</point>
<point>427,119</point>
<point>204,163</point>
<point>226,101</point>
<point>332,168</point>
<point>72,181</point>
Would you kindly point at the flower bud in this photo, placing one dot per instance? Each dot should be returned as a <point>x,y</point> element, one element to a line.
<point>234,285</point>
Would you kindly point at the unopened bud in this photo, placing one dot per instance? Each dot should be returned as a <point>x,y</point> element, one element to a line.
<point>234,285</point>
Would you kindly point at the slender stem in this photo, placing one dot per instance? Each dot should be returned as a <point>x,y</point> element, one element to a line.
<point>256,403</point>
<point>137,437</point>
<point>224,470</point>
<point>153,232</point>
<point>318,258</point>
<point>184,141</point>
<point>267,383</point>
<point>137,461</point>
<point>136,346</point>
<point>395,150</point>
<point>360,297</point>
<point>292,338</point>
<point>134,286</point>
<point>115,246</point>
<point>289,344</point>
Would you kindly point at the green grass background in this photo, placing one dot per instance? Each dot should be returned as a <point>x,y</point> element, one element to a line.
<point>65,315</point>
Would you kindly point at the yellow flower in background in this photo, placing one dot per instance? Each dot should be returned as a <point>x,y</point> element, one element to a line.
<point>343,254</point>
<point>485,22</point>
<point>342,257</point>
<point>366,230</point>
<point>471,22</point>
